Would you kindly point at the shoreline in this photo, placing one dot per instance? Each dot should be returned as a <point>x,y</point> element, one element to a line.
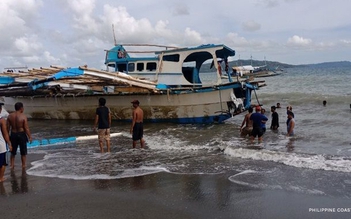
<point>161,195</point>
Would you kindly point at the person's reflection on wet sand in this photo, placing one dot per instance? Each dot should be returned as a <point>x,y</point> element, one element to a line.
<point>2,189</point>
<point>23,188</point>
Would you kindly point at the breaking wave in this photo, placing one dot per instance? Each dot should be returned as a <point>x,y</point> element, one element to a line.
<point>318,162</point>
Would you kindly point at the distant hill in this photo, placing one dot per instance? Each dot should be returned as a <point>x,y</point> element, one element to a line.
<point>329,64</point>
<point>241,62</point>
<point>278,65</point>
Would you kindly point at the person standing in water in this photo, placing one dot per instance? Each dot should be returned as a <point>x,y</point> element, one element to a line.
<point>4,139</point>
<point>257,120</point>
<point>290,124</point>
<point>17,125</point>
<point>275,118</point>
<point>263,111</point>
<point>247,123</point>
<point>103,121</point>
<point>137,129</point>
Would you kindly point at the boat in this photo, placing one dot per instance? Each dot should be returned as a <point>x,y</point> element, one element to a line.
<point>253,71</point>
<point>169,84</point>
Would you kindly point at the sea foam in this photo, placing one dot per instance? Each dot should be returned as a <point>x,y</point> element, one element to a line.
<point>320,162</point>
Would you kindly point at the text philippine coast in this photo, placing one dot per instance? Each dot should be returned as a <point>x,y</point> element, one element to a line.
<point>329,210</point>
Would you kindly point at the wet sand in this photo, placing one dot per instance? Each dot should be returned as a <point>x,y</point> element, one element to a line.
<point>161,195</point>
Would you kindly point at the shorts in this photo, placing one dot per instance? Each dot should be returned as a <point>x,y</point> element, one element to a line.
<point>19,139</point>
<point>138,131</point>
<point>246,131</point>
<point>257,132</point>
<point>104,134</point>
<point>3,161</point>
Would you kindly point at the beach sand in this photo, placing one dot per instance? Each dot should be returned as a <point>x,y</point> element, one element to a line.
<point>161,195</point>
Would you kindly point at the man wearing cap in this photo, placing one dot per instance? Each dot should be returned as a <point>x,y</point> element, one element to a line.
<point>17,125</point>
<point>137,129</point>
<point>258,122</point>
<point>4,138</point>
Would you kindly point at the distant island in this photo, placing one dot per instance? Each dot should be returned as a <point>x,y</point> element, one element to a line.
<point>274,64</point>
<point>278,65</point>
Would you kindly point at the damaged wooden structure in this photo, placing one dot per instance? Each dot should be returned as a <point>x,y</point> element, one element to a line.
<point>169,86</point>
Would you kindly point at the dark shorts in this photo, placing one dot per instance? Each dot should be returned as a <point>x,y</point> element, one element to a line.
<point>3,161</point>
<point>138,131</point>
<point>257,131</point>
<point>19,139</point>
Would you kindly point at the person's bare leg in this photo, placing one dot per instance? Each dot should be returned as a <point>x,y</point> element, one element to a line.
<point>260,139</point>
<point>252,138</point>
<point>101,147</point>
<point>12,161</point>
<point>2,173</point>
<point>24,159</point>
<point>108,144</point>
<point>134,144</point>
<point>142,143</point>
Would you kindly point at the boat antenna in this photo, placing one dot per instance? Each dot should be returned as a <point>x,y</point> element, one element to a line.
<point>114,35</point>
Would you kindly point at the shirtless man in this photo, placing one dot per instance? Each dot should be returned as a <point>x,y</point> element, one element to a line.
<point>248,124</point>
<point>137,125</point>
<point>17,125</point>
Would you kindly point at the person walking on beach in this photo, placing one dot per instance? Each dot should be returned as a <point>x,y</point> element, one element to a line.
<point>290,124</point>
<point>103,124</point>
<point>4,139</point>
<point>244,131</point>
<point>275,118</point>
<point>257,120</point>
<point>137,129</point>
<point>17,125</point>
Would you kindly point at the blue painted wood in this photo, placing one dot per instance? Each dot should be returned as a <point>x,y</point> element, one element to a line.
<point>51,141</point>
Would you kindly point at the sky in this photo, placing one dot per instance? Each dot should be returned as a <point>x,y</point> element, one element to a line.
<point>71,33</point>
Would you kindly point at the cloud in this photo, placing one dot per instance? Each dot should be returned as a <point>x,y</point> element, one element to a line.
<point>346,42</point>
<point>18,18</point>
<point>251,26</point>
<point>180,9</point>
<point>269,3</point>
<point>235,40</point>
<point>27,45</point>
<point>298,41</point>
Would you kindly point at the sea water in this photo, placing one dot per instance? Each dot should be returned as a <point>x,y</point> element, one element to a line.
<point>317,160</point>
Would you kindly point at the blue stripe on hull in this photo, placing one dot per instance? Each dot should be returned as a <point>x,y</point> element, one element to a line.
<point>52,141</point>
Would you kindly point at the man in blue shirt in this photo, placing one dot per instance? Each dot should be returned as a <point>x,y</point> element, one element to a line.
<point>258,122</point>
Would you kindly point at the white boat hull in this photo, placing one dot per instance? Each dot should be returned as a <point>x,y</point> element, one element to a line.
<point>194,107</point>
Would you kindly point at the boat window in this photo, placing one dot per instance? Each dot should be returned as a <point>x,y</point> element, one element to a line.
<point>171,58</point>
<point>131,67</point>
<point>140,66</point>
<point>151,66</point>
<point>121,67</point>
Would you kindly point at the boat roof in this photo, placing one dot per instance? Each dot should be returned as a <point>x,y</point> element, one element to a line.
<point>222,51</point>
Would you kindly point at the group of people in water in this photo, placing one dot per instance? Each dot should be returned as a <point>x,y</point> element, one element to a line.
<point>102,125</point>
<point>254,123</point>
<point>14,133</point>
